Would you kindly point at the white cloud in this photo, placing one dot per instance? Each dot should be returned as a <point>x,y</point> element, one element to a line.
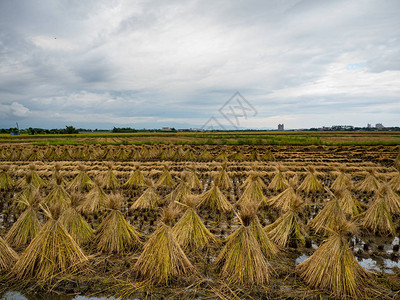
<point>162,60</point>
<point>14,109</point>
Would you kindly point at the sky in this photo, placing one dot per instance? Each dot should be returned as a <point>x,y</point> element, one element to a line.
<point>199,64</point>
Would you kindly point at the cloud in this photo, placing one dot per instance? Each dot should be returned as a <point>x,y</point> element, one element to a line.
<point>155,60</point>
<point>14,109</point>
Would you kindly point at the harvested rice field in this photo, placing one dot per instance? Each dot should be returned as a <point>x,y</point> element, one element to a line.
<point>200,221</point>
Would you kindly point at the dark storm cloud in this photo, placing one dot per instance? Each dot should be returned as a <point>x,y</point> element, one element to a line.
<point>102,63</point>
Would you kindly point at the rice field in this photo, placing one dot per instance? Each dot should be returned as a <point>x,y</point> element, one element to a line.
<point>200,221</point>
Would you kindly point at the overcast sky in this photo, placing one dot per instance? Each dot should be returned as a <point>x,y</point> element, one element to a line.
<point>100,64</point>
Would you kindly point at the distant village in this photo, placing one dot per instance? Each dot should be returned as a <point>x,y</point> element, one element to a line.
<point>281,127</point>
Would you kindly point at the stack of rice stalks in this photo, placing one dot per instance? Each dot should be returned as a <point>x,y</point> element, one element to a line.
<point>342,181</point>
<point>74,223</point>
<point>165,180</point>
<point>241,261</point>
<point>268,156</point>
<point>149,200</point>
<point>331,216</point>
<point>311,184</point>
<point>189,231</point>
<point>395,181</point>
<point>52,252</point>
<point>8,256</point>
<point>214,200</point>
<point>95,200</point>
<point>333,267</point>
<point>253,192</point>
<point>109,181</point>
<point>180,192</point>
<point>193,180</point>
<point>278,183</point>
<point>162,259</point>
<point>6,182</point>
<point>288,228</point>
<point>222,180</point>
<point>82,181</point>
<point>27,226</point>
<point>222,156</point>
<point>58,194</point>
<point>205,156</point>
<point>136,180</point>
<point>32,178</point>
<point>285,199</point>
<point>115,234</point>
<point>378,217</point>
<point>65,155</point>
<point>370,183</point>
<point>348,202</point>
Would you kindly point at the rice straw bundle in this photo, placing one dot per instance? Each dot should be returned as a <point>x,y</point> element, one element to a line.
<point>205,156</point>
<point>115,234</point>
<point>32,178</point>
<point>333,267</point>
<point>254,177</point>
<point>82,181</point>
<point>180,193</point>
<point>370,183</point>
<point>193,180</point>
<point>278,183</point>
<point>254,156</point>
<point>253,193</point>
<point>214,200</point>
<point>237,156</point>
<point>27,226</point>
<point>395,182</point>
<point>6,182</point>
<point>58,194</point>
<point>342,181</point>
<point>136,180</point>
<point>268,156</point>
<point>288,227</point>
<point>74,223</point>
<point>34,155</point>
<point>189,231</point>
<point>348,202</point>
<point>377,218</point>
<point>148,200</point>
<point>392,199</point>
<point>189,155</point>
<point>52,252</point>
<point>51,154</point>
<point>65,155</point>
<point>94,201</point>
<point>222,156</point>
<point>109,181</point>
<point>268,247</point>
<point>331,216</point>
<point>165,179</point>
<point>241,261</point>
<point>284,201</point>
<point>311,184</point>
<point>121,154</point>
<point>8,256</point>
<point>222,180</point>
<point>162,258</point>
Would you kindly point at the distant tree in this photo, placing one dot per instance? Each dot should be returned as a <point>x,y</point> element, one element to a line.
<point>71,130</point>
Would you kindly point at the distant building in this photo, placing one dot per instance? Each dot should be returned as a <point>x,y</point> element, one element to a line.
<point>379,126</point>
<point>368,125</point>
<point>281,127</point>
<point>166,129</point>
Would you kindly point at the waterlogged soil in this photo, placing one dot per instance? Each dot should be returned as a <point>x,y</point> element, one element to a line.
<point>378,254</point>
